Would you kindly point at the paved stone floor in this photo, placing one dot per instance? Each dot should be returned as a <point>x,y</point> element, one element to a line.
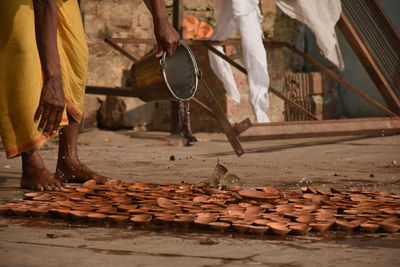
<point>340,162</point>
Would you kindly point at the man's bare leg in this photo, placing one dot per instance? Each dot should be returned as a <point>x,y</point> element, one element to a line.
<point>69,168</point>
<point>35,175</point>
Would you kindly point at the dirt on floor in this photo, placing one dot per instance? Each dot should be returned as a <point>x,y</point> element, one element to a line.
<point>340,162</point>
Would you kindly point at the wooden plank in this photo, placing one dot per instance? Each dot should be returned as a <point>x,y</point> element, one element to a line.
<point>220,116</point>
<point>308,129</point>
<point>242,126</point>
<point>117,91</point>
<point>369,63</point>
<point>123,51</point>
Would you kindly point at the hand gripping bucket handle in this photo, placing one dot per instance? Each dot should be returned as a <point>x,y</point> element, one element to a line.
<point>167,78</point>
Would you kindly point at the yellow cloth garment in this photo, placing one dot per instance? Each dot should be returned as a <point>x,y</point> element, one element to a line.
<point>21,75</point>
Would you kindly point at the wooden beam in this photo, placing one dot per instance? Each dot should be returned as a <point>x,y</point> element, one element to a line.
<point>308,129</point>
<point>369,63</point>
<point>117,91</point>
<point>223,122</point>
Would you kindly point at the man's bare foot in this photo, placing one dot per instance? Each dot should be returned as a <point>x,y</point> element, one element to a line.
<point>35,175</point>
<point>76,172</point>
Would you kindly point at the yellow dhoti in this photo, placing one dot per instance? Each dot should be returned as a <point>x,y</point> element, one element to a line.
<point>21,75</point>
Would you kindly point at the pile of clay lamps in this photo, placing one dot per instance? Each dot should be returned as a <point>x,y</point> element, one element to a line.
<point>262,210</point>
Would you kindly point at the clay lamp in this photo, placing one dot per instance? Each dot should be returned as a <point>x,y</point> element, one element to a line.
<point>67,190</point>
<point>84,190</point>
<point>335,191</point>
<point>369,227</point>
<point>118,219</point>
<point>78,214</point>
<point>202,221</point>
<point>126,207</point>
<point>241,228</point>
<point>39,211</point>
<point>184,220</point>
<point>165,203</point>
<point>20,210</point>
<point>43,197</point>
<point>106,209</point>
<point>300,229</point>
<point>279,228</point>
<point>82,208</point>
<point>346,225</point>
<point>97,217</point>
<point>390,228</point>
<point>259,195</point>
<point>320,226</point>
<point>307,189</point>
<point>62,213</point>
<point>141,219</point>
<point>113,183</point>
<point>254,210</point>
<point>261,222</point>
<point>258,229</point>
<point>305,218</point>
<point>31,195</point>
<point>164,218</point>
<point>221,226</point>
<point>4,210</point>
<point>89,184</point>
<point>270,190</point>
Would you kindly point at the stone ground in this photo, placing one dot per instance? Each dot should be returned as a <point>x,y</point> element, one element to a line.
<point>340,162</point>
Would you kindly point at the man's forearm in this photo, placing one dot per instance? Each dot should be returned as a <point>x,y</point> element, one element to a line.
<point>158,10</point>
<point>46,36</point>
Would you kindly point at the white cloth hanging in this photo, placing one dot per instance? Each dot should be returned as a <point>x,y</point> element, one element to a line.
<point>245,16</point>
<point>321,17</point>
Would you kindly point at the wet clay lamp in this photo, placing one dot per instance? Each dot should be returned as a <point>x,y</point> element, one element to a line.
<point>346,226</point>
<point>241,228</point>
<point>89,184</point>
<point>258,229</point>
<point>390,228</point>
<point>39,211</point>
<point>96,217</point>
<point>4,210</point>
<point>118,219</point>
<point>300,229</point>
<point>221,226</point>
<point>320,227</point>
<point>141,219</point>
<point>79,215</point>
<point>20,210</point>
<point>369,227</point>
<point>279,228</point>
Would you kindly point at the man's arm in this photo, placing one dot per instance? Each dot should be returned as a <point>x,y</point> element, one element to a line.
<point>167,37</point>
<point>52,101</point>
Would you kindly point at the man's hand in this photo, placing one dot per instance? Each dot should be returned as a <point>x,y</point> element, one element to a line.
<point>51,106</point>
<point>167,38</point>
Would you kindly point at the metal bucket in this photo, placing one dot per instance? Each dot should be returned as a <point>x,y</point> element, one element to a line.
<point>166,78</point>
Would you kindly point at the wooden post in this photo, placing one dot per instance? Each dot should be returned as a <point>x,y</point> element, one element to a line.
<point>177,22</point>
